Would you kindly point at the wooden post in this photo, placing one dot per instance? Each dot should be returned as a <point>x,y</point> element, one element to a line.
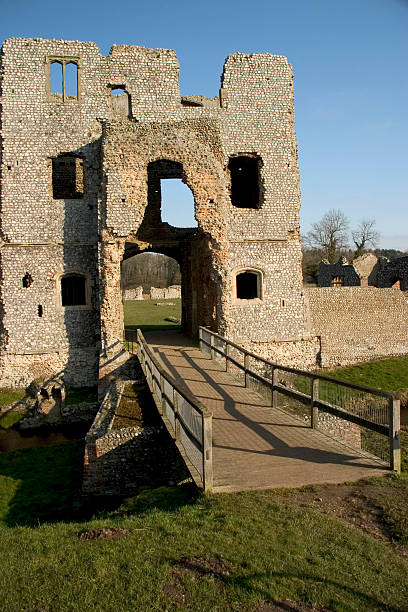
<point>207,453</point>
<point>212,346</point>
<point>176,417</point>
<point>395,436</point>
<point>200,338</point>
<point>274,390</point>
<point>162,408</point>
<point>314,410</point>
<point>246,367</point>
<point>227,354</point>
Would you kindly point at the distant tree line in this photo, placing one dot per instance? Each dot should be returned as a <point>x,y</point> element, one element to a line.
<point>331,238</point>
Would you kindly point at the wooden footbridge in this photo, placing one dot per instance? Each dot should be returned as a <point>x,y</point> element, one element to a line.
<point>241,422</point>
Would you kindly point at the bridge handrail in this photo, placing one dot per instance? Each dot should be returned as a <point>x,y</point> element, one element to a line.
<point>391,429</point>
<point>192,435</point>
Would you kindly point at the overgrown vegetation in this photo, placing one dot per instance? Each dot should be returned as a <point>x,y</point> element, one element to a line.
<point>174,549</point>
<point>151,314</point>
<point>11,417</point>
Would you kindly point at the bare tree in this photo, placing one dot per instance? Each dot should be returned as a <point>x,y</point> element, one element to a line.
<point>365,235</point>
<point>329,235</point>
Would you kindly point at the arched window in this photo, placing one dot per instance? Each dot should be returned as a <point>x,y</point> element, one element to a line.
<point>248,285</point>
<point>244,171</point>
<point>73,290</point>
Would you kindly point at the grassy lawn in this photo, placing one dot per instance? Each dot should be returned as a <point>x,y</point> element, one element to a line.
<point>148,316</point>
<point>184,551</point>
<point>387,374</point>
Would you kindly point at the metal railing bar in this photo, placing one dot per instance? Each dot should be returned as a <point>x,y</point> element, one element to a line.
<point>302,397</point>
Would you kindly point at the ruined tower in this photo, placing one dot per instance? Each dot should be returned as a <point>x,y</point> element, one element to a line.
<point>80,190</point>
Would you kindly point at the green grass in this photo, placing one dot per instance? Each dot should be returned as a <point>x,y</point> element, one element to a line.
<point>275,550</point>
<point>147,316</point>
<point>77,395</point>
<point>10,396</point>
<point>387,374</point>
<point>10,418</point>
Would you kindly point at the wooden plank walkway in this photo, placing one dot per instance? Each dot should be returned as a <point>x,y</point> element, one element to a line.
<point>255,446</point>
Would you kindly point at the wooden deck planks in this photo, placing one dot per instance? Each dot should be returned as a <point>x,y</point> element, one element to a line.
<point>255,446</point>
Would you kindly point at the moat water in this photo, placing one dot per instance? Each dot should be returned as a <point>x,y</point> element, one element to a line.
<point>14,439</point>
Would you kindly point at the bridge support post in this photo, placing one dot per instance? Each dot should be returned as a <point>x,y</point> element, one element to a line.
<point>227,354</point>
<point>395,436</point>
<point>314,410</point>
<point>200,338</point>
<point>212,346</point>
<point>176,415</point>
<point>246,367</point>
<point>207,453</point>
<point>274,390</point>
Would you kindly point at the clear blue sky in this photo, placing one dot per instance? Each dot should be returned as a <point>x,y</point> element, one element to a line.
<point>350,62</point>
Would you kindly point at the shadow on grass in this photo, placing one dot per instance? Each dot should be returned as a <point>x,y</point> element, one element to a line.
<point>40,485</point>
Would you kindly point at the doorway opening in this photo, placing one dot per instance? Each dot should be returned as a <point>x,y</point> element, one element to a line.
<point>151,292</point>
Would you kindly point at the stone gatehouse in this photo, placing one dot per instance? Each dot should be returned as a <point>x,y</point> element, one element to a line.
<point>81,170</point>
<point>85,141</point>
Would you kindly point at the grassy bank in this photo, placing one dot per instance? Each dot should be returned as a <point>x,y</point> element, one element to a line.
<point>387,374</point>
<point>183,551</point>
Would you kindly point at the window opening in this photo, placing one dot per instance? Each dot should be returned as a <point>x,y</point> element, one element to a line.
<point>56,78</point>
<point>177,207</point>
<point>40,310</point>
<point>248,285</point>
<point>121,102</point>
<point>71,80</point>
<point>27,280</point>
<point>169,199</point>
<point>338,281</point>
<point>63,79</point>
<point>73,290</point>
<point>244,172</point>
<point>67,177</point>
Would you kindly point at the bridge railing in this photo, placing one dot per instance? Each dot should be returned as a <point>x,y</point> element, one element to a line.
<point>188,421</point>
<point>372,416</point>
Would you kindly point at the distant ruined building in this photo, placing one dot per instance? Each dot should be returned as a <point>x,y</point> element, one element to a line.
<point>85,142</point>
<point>368,270</point>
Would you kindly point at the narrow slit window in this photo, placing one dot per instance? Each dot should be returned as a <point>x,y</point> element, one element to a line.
<point>73,290</point>
<point>248,285</point>
<point>27,280</point>
<point>244,172</point>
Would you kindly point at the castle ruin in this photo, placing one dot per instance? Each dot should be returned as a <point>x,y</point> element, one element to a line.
<point>80,192</point>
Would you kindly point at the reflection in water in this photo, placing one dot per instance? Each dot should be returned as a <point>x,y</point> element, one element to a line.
<point>13,439</point>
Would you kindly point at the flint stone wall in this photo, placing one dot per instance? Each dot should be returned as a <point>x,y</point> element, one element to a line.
<point>358,323</point>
